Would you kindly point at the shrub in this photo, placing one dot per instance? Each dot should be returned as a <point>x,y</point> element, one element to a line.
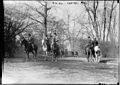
<point>109,49</point>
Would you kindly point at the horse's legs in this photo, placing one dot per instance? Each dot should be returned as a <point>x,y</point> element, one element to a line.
<point>99,58</point>
<point>93,55</point>
<point>27,56</point>
<point>33,54</point>
<point>53,57</point>
<point>36,52</point>
<point>96,56</point>
<point>46,55</point>
<point>56,55</point>
<point>88,56</point>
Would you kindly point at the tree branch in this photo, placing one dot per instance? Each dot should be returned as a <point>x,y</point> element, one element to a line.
<point>42,14</point>
<point>40,2</point>
<point>37,20</point>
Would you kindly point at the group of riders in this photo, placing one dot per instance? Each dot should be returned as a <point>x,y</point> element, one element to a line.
<point>92,47</point>
<point>52,41</point>
<point>48,41</point>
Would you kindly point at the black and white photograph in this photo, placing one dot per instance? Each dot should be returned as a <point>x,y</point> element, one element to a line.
<point>61,42</point>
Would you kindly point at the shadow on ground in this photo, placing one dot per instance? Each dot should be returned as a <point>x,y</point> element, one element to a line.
<point>104,61</point>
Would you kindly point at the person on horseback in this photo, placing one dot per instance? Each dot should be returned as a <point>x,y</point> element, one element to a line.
<point>54,41</point>
<point>23,40</point>
<point>48,43</point>
<point>31,39</point>
<point>55,38</point>
<point>89,44</point>
<point>89,49</point>
<point>95,42</point>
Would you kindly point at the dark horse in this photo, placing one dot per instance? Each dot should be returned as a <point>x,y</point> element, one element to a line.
<point>29,48</point>
<point>89,52</point>
<point>56,50</point>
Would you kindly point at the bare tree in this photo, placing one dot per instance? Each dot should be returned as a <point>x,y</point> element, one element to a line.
<point>42,14</point>
<point>93,10</point>
<point>110,18</point>
<point>104,20</point>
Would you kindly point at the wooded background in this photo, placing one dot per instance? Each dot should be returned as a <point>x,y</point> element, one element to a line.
<point>98,19</point>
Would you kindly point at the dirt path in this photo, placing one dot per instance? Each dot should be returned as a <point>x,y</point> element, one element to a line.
<point>63,72</point>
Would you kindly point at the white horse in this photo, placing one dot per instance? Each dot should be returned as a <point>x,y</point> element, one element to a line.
<point>98,54</point>
<point>44,45</point>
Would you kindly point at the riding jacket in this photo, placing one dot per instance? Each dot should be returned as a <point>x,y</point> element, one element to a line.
<point>56,39</point>
<point>90,43</point>
<point>95,43</point>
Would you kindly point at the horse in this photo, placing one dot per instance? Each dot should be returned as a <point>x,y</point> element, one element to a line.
<point>62,53</point>
<point>46,46</point>
<point>98,54</point>
<point>33,48</point>
<point>56,50</point>
<point>94,53</point>
<point>89,51</point>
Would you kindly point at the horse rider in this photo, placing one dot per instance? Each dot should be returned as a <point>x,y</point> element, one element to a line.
<point>48,43</point>
<point>22,38</point>
<point>95,42</point>
<point>55,38</point>
<point>31,39</point>
<point>89,42</point>
<point>89,45</point>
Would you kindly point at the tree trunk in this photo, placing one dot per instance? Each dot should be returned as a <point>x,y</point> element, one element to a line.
<point>69,32</point>
<point>95,20</point>
<point>110,19</point>
<point>104,20</point>
<point>45,18</point>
